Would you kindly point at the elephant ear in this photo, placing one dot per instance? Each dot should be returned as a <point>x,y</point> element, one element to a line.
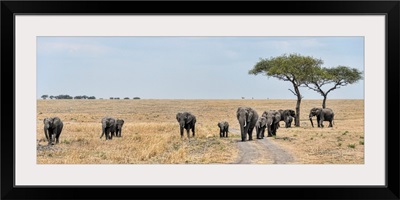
<point>250,115</point>
<point>190,118</point>
<point>277,115</point>
<point>263,121</point>
<point>178,115</point>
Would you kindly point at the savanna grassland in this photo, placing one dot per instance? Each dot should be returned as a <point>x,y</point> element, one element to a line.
<point>150,134</point>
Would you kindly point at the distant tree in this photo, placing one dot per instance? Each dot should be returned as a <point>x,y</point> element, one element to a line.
<point>136,97</point>
<point>111,97</point>
<point>64,96</point>
<point>44,96</point>
<point>78,97</point>
<point>335,77</point>
<point>92,97</point>
<point>51,97</point>
<point>85,97</point>
<point>126,98</point>
<point>293,68</point>
<point>116,97</point>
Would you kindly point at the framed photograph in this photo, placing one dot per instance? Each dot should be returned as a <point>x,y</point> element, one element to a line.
<point>126,100</point>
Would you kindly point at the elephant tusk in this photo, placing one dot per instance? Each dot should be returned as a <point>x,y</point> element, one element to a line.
<point>245,124</point>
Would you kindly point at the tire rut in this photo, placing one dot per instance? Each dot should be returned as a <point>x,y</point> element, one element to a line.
<point>260,151</point>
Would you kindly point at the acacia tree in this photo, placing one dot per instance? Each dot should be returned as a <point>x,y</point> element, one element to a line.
<point>293,68</point>
<point>335,77</point>
<point>44,96</point>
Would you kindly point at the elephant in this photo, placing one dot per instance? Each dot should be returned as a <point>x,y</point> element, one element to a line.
<point>186,121</point>
<point>223,129</point>
<point>108,127</point>
<point>273,118</point>
<point>287,116</point>
<point>118,127</point>
<point>323,114</point>
<point>247,118</point>
<point>290,120</point>
<point>260,127</point>
<point>52,129</point>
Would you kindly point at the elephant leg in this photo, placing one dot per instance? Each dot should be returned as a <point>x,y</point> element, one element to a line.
<point>262,133</point>
<point>107,133</point>
<point>51,136</point>
<point>188,133</point>
<point>250,133</point>
<point>220,134</point>
<point>226,133</point>
<point>274,126</point>
<point>321,122</point>
<point>193,130</point>
<point>330,123</point>
<point>57,136</point>
<point>257,133</point>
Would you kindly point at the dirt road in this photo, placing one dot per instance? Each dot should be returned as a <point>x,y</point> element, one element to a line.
<point>263,151</point>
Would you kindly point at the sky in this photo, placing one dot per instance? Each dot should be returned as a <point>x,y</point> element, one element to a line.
<point>184,67</point>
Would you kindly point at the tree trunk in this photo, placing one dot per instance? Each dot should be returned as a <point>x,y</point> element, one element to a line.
<point>324,102</point>
<point>297,120</point>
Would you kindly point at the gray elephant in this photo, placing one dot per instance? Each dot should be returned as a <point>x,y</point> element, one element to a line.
<point>287,116</point>
<point>118,127</point>
<point>323,114</point>
<point>223,129</point>
<point>52,129</point>
<point>260,127</point>
<point>186,121</point>
<point>290,120</point>
<point>247,118</point>
<point>273,118</point>
<point>108,127</point>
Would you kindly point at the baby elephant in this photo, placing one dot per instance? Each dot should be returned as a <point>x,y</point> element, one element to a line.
<point>52,129</point>
<point>261,125</point>
<point>223,129</point>
<point>118,127</point>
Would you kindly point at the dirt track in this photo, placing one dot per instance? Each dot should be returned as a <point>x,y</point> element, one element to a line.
<point>261,151</point>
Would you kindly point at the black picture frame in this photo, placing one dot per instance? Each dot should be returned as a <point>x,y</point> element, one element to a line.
<point>11,8</point>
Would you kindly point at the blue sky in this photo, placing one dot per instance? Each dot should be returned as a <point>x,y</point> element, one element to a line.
<point>184,67</point>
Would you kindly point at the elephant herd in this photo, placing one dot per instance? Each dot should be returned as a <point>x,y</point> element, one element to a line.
<point>247,117</point>
<point>53,127</point>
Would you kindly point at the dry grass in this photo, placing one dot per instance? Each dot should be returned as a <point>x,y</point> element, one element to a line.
<point>151,134</point>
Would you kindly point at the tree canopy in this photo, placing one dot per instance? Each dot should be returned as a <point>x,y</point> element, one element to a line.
<point>306,71</point>
<point>294,68</point>
<point>335,77</point>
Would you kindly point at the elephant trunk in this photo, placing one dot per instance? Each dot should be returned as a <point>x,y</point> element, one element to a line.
<point>243,129</point>
<point>182,124</point>
<point>181,129</point>
<point>46,134</point>
<point>311,122</point>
